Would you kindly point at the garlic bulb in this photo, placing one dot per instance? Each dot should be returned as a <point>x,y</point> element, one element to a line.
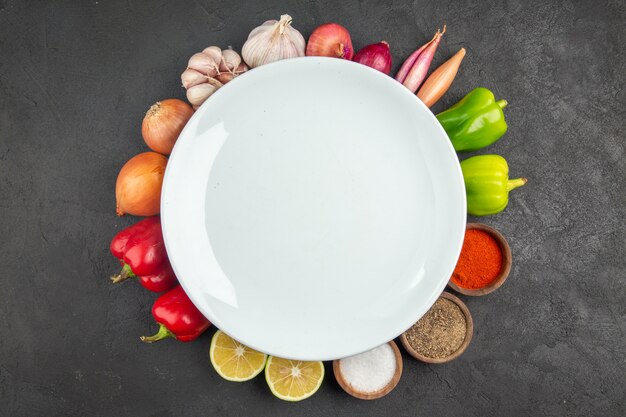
<point>209,70</point>
<point>272,41</point>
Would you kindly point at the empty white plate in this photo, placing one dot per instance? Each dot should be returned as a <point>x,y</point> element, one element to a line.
<point>313,208</point>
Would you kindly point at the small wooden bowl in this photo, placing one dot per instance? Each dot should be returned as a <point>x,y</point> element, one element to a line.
<point>375,394</point>
<point>468,335</point>
<point>506,263</point>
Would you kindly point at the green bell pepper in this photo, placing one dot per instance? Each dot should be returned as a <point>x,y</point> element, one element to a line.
<point>487,184</point>
<point>474,122</point>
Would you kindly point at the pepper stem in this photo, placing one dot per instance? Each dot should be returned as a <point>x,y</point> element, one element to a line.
<point>124,274</point>
<point>163,333</point>
<point>517,182</point>
<point>502,103</point>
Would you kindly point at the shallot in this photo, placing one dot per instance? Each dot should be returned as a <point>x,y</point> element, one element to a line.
<point>414,69</point>
<point>441,79</point>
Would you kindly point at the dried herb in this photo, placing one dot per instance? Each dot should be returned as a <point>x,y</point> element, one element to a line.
<point>440,332</point>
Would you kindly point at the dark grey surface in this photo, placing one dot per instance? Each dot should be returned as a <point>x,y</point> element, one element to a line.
<point>75,80</point>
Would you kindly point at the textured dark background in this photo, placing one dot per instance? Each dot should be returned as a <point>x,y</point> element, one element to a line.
<point>75,81</point>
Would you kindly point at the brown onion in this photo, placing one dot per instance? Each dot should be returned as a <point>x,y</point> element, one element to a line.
<point>330,39</point>
<point>138,187</point>
<point>163,123</point>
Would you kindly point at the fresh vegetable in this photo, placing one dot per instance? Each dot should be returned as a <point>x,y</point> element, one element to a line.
<point>198,94</point>
<point>138,186</point>
<point>209,70</point>
<point>330,39</point>
<point>414,69</point>
<point>474,122</point>
<point>292,380</point>
<point>163,123</point>
<point>177,317</point>
<point>440,80</point>
<point>487,184</point>
<point>141,251</point>
<point>272,41</point>
<point>230,60</point>
<point>234,361</point>
<point>227,76</point>
<point>376,55</point>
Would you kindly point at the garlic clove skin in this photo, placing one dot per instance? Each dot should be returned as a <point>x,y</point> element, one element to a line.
<point>203,63</point>
<point>214,52</point>
<point>241,68</point>
<point>230,60</point>
<point>191,77</point>
<point>199,93</point>
<point>273,41</point>
<point>262,28</point>
<point>225,77</point>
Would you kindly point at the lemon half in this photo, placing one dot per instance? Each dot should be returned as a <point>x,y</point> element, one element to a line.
<point>292,380</point>
<point>234,361</point>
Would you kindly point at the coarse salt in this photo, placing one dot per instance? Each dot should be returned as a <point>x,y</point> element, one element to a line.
<point>369,371</point>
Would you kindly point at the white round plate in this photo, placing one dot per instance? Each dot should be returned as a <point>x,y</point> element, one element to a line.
<point>313,208</point>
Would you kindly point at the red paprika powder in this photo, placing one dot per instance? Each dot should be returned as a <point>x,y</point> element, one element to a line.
<point>480,261</point>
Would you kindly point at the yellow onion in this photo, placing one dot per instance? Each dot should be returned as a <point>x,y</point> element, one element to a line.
<point>138,187</point>
<point>163,123</point>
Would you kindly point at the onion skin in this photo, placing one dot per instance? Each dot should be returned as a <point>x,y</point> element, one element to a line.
<point>138,186</point>
<point>330,39</point>
<point>163,123</point>
<point>376,55</point>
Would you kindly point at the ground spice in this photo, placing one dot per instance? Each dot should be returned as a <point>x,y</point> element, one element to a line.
<point>480,261</point>
<point>440,332</point>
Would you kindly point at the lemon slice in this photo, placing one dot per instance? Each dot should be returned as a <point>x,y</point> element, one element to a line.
<point>293,380</point>
<point>234,361</point>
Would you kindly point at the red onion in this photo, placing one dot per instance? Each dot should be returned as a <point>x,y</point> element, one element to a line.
<point>376,55</point>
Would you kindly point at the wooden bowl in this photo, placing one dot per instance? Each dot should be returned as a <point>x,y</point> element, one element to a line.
<point>506,263</point>
<point>468,335</point>
<point>375,394</point>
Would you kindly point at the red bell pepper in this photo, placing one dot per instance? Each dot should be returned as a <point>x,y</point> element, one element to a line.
<point>141,251</point>
<point>177,317</point>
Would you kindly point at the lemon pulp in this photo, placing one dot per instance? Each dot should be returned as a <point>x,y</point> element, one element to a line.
<point>292,380</point>
<point>234,361</point>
